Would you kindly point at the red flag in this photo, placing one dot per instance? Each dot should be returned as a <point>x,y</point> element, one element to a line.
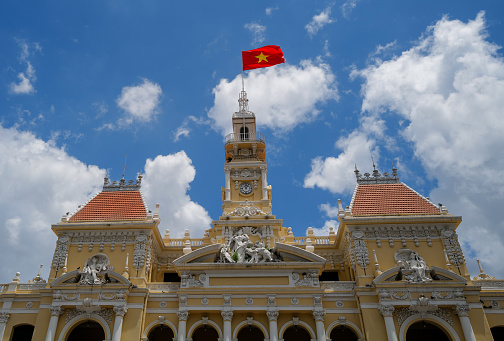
<point>262,57</point>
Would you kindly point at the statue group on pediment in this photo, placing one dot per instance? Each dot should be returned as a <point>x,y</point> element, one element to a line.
<point>241,249</point>
<point>413,266</point>
<point>93,266</point>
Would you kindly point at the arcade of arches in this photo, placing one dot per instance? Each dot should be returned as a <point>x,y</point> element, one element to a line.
<point>421,331</point>
<point>87,331</point>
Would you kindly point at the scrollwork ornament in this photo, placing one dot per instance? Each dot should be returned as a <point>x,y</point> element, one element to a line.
<point>294,301</point>
<point>249,301</point>
<point>227,315</point>
<point>319,315</point>
<point>56,310</point>
<point>183,315</point>
<point>4,317</point>
<point>462,310</point>
<point>386,309</point>
<point>120,310</point>
<point>204,301</point>
<point>272,315</point>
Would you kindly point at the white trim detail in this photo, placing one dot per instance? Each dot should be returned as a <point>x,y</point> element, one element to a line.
<point>254,323</point>
<point>72,322</point>
<point>305,325</point>
<point>351,325</point>
<point>196,324</point>
<point>156,322</point>
<point>407,323</point>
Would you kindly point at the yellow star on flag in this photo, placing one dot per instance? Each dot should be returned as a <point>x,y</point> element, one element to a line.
<point>262,57</point>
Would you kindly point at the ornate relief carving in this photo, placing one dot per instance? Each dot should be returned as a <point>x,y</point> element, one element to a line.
<point>183,315</point>
<point>190,281</point>
<point>339,304</point>
<point>56,310</point>
<point>227,315</point>
<point>227,300</point>
<point>140,253</point>
<point>361,253</point>
<point>452,247</point>
<point>318,315</point>
<point>4,317</point>
<point>246,210</point>
<point>120,310</point>
<point>204,301</point>
<point>462,309</point>
<point>338,286</point>
<point>249,301</point>
<point>310,279</point>
<point>163,287</point>
<point>162,304</point>
<point>386,309</point>
<point>443,313</point>
<point>105,313</point>
<point>447,294</point>
<point>66,296</point>
<point>272,315</point>
<point>239,248</point>
<point>294,301</point>
<point>109,296</point>
<point>61,252</point>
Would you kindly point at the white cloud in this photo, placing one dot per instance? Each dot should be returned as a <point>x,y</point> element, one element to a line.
<point>334,173</point>
<point>329,210</point>
<point>324,230</point>
<point>185,129</point>
<point>269,10</point>
<point>26,78</point>
<point>318,21</point>
<point>167,181</point>
<point>282,96</point>
<point>140,102</point>
<point>348,7</point>
<point>258,32</point>
<point>448,88</point>
<point>40,183</point>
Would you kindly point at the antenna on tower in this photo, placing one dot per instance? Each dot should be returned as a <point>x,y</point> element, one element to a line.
<point>372,159</point>
<point>124,170</point>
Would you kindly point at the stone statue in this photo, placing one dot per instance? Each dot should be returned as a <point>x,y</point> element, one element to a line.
<point>92,267</point>
<point>241,250</point>
<point>413,266</point>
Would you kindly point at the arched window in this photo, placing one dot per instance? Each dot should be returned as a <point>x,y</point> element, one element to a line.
<point>87,331</point>
<point>296,333</point>
<point>497,333</point>
<point>342,333</point>
<point>244,133</point>
<point>425,331</point>
<point>205,333</point>
<point>161,333</point>
<point>250,333</point>
<point>23,332</point>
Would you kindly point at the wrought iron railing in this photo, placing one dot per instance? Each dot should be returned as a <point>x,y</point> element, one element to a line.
<point>244,137</point>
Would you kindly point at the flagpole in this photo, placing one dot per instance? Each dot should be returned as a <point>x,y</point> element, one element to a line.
<point>243,83</point>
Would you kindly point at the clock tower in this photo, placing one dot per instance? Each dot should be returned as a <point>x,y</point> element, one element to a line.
<point>247,195</point>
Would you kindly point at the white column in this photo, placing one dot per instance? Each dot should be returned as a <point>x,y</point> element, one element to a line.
<point>120,311</point>
<point>56,311</point>
<point>319,315</point>
<point>182,325</point>
<point>227,316</point>
<point>386,311</point>
<point>4,318</point>
<point>463,313</point>
<point>264,183</point>
<point>227,172</point>
<point>273,327</point>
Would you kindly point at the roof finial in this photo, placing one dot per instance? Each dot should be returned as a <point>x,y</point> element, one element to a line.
<point>372,159</point>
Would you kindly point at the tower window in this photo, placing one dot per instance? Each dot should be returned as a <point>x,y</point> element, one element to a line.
<point>244,133</point>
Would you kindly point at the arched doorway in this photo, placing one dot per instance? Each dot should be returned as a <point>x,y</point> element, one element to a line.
<point>250,333</point>
<point>421,331</point>
<point>23,332</point>
<point>497,333</point>
<point>342,333</point>
<point>205,333</point>
<point>87,331</point>
<point>296,333</point>
<point>161,333</point>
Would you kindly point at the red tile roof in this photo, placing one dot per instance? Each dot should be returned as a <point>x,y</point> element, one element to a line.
<point>113,205</point>
<point>390,199</point>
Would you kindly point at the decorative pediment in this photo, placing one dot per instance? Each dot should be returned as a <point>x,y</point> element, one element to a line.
<point>282,253</point>
<point>75,278</point>
<point>435,274</point>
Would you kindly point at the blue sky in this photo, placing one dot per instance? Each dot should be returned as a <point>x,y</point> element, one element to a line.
<point>86,85</point>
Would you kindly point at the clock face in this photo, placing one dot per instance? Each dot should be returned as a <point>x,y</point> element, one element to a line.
<point>246,188</point>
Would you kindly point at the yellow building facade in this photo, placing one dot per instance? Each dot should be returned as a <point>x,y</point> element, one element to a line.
<point>393,270</point>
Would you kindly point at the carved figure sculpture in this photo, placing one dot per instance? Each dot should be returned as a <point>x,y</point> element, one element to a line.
<point>246,252</point>
<point>93,266</point>
<point>415,266</point>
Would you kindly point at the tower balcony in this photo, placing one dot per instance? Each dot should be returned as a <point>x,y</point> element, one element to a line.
<point>244,137</point>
